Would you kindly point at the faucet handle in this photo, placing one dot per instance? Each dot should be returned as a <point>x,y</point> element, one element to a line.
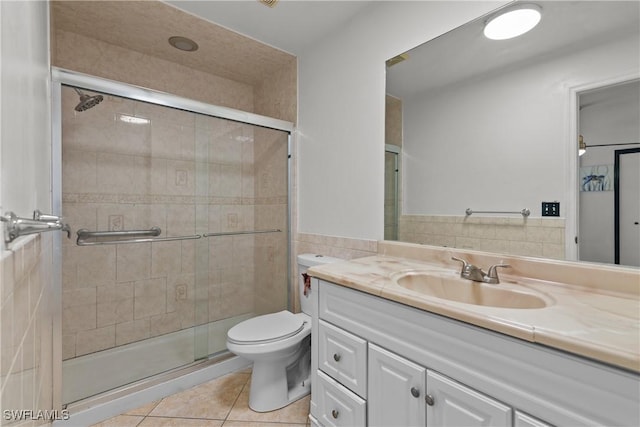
<point>465,265</point>
<point>492,274</point>
<point>464,262</point>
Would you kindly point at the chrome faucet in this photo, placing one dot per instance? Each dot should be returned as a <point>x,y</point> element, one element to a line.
<point>471,272</point>
<point>17,226</point>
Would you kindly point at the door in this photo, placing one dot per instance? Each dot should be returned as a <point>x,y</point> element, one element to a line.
<point>627,206</point>
<point>396,390</point>
<point>453,404</point>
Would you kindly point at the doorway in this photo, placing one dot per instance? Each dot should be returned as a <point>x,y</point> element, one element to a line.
<point>608,126</point>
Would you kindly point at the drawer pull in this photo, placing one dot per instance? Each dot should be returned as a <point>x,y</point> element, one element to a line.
<point>429,399</point>
<point>336,357</point>
<point>415,392</point>
<point>335,413</point>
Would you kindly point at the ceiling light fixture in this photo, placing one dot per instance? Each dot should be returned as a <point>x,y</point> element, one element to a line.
<point>133,120</point>
<point>513,21</point>
<point>183,43</point>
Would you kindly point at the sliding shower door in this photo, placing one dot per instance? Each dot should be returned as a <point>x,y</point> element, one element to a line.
<point>180,231</point>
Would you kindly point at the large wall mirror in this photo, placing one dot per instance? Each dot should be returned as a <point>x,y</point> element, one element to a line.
<point>489,130</point>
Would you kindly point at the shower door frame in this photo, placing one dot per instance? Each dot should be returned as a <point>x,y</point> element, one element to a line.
<point>60,77</point>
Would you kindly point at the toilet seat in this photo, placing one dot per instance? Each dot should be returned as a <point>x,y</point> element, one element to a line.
<point>266,328</point>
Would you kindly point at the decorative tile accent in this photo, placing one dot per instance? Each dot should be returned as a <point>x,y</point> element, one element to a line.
<point>116,223</point>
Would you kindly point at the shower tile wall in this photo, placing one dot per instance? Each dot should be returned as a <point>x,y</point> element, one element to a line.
<point>187,174</point>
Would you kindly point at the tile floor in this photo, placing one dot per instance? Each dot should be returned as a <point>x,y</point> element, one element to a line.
<point>222,402</point>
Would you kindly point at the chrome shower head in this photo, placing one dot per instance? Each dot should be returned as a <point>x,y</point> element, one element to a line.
<point>87,101</point>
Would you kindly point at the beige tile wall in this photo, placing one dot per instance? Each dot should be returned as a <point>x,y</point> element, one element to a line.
<point>539,237</point>
<point>91,56</point>
<point>26,342</point>
<point>275,96</point>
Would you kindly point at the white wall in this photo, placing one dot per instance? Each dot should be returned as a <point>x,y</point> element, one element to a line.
<point>501,143</point>
<point>25,130</point>
<point>341,86</point>
<point>28,309</point>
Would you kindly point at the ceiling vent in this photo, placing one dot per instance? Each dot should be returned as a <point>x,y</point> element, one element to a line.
<point>270,3</point>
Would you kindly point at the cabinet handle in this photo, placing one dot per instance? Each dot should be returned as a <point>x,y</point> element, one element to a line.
<point>335,413</point>
<point>415,392</point>
<point>336,357</point>
<point>429,399</point>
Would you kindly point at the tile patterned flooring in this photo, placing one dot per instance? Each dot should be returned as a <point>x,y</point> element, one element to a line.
<point>222,402</point>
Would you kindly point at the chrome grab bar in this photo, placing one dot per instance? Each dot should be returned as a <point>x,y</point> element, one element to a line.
<point>524,212</point>
<point>84,234</point>
<point>40,223</point>
<point>233,233</point>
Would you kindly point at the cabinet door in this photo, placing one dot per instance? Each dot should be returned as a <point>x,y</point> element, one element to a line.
<point>524,420</point>
<point>452,404</point>
<point>396,390</point>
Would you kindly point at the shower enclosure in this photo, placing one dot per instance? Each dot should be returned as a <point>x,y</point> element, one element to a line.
<point>179,212</point>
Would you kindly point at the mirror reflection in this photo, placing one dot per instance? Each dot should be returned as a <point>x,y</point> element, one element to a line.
<point>489,128</point>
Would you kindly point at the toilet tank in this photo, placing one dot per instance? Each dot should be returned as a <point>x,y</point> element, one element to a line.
<point>305,261</point>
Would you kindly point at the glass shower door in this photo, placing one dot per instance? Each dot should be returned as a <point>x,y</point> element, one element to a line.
<point>191,215</point>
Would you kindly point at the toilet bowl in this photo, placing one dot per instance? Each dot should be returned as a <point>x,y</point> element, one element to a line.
<point>279,345</point>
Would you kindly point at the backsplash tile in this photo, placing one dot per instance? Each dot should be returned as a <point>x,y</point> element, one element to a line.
<point>517,236</point>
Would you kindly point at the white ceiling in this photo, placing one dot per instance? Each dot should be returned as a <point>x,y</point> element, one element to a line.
<point>464,53</point>
<point>292,25</point>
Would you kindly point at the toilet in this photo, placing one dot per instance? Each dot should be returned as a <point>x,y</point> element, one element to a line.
<point>279,345</point>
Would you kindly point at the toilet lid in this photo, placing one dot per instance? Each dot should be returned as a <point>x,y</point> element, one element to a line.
<point>268,327</point>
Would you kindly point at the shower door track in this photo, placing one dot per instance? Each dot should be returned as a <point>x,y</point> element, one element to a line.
<point>59,77</point>
<point>93,401</point>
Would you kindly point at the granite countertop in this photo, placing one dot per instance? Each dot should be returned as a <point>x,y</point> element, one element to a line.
<point>598,324</point>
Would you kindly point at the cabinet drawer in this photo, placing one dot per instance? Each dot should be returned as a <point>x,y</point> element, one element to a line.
<point>337,406</point>
<point>343,356</point>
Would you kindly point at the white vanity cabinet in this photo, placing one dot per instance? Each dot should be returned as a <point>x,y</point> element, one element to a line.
<point>380,363</point>
<point>406,394</point>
